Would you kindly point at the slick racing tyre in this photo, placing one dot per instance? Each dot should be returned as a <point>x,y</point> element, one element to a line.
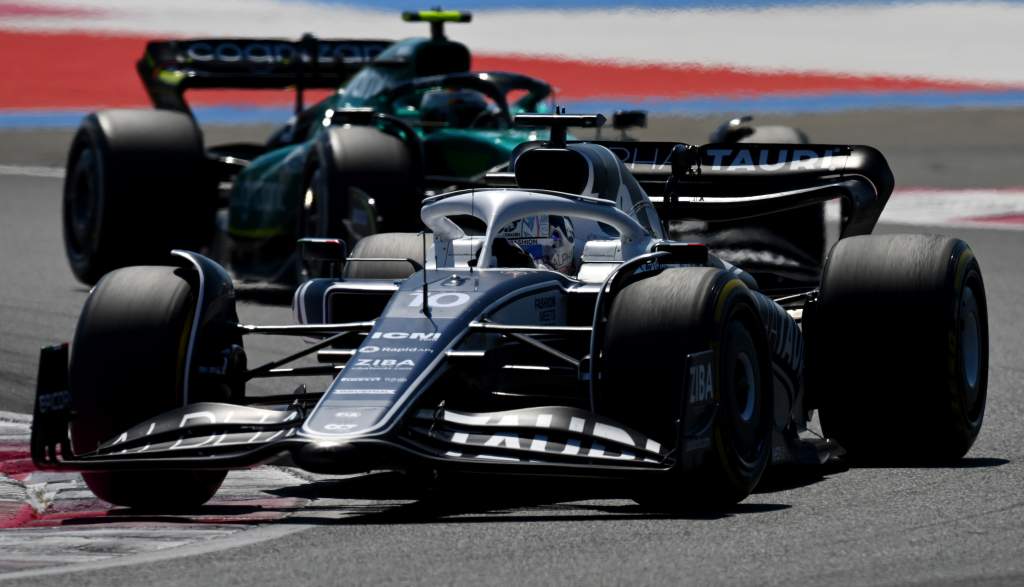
<point>898,345</point>
<point>387,245</point>
<point>361,181</point>
<point>128,364</point>
<point>653,325</point>
<point>137,185</point>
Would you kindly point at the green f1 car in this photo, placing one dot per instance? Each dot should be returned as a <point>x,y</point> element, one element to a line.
<point>409,118</point>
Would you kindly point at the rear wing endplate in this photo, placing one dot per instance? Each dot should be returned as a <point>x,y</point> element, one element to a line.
<point>727,181</point>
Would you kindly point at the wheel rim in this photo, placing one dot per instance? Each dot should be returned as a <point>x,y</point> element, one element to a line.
<point>745,391</point>
<point>81,205</point>
<point>311,205</point>
<point>361,219</point>
<point>970,343</point>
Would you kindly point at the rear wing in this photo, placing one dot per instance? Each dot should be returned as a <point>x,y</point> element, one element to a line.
<point>732,181</point>
<point>168,68</point>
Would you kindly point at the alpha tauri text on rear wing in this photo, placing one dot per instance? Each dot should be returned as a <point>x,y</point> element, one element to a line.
<point>168,68</point>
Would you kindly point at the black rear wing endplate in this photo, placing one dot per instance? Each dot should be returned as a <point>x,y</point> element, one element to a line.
<point>726,181</point>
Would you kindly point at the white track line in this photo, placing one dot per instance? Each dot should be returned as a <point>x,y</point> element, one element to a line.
<point>68,549</point>
<point>32,171</point>
<point>236,540</point>
<point>15,418</point>
<point>14,427</point>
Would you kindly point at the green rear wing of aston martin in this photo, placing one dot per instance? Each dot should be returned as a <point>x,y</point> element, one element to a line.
<point>169,68</point>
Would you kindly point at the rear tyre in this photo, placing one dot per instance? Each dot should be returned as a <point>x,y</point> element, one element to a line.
<point>362,181</point>
<point>388,245</point>
<point>136,187</point>
<point>128,364</point>
<point>653,324</point>
<point>899,348</point>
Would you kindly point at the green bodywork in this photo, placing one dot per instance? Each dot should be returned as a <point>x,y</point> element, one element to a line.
<point>266,196</point>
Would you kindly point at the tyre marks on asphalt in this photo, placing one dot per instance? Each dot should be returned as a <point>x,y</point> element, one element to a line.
<point>51,519</point>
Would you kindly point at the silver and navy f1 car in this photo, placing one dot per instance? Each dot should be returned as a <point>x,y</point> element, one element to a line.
<point>544,326</point>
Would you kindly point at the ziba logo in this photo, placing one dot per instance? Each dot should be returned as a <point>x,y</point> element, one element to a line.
<point>385,363</point>
<point>701,383</point>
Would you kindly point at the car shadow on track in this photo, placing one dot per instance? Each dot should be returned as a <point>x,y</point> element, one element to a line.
<point>475,500</point>
<point>786,477</point>
<point>964,463</point>
<point>391,498</point>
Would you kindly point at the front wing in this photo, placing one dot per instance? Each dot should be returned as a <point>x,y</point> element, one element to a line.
<point>212,435</point>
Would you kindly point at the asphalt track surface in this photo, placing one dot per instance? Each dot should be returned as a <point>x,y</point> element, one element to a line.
<point>958,524</point>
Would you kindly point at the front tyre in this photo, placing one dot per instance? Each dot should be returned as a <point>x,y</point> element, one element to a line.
<point>899,341</point>
<point>387,245</point>
<point>128,364</point>
<point>653,325</point>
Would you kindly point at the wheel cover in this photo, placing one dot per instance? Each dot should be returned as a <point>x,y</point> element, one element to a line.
<point>745,387</point>
<point>743,394</point>
<point>81,213</point>
<point>970,344</point>
<point>361,217</point>
<point>311,204</point>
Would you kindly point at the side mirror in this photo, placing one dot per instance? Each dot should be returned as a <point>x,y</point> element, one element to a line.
<point>624,120</point>
<point>323,257</point>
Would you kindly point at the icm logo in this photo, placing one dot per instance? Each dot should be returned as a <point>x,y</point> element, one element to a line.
<point>424,336</point>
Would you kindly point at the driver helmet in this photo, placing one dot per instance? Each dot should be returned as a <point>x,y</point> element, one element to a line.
<point>549,240</point>
<point>456,108</point>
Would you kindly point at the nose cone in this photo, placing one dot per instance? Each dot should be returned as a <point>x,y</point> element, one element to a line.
<point>331,458</point>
